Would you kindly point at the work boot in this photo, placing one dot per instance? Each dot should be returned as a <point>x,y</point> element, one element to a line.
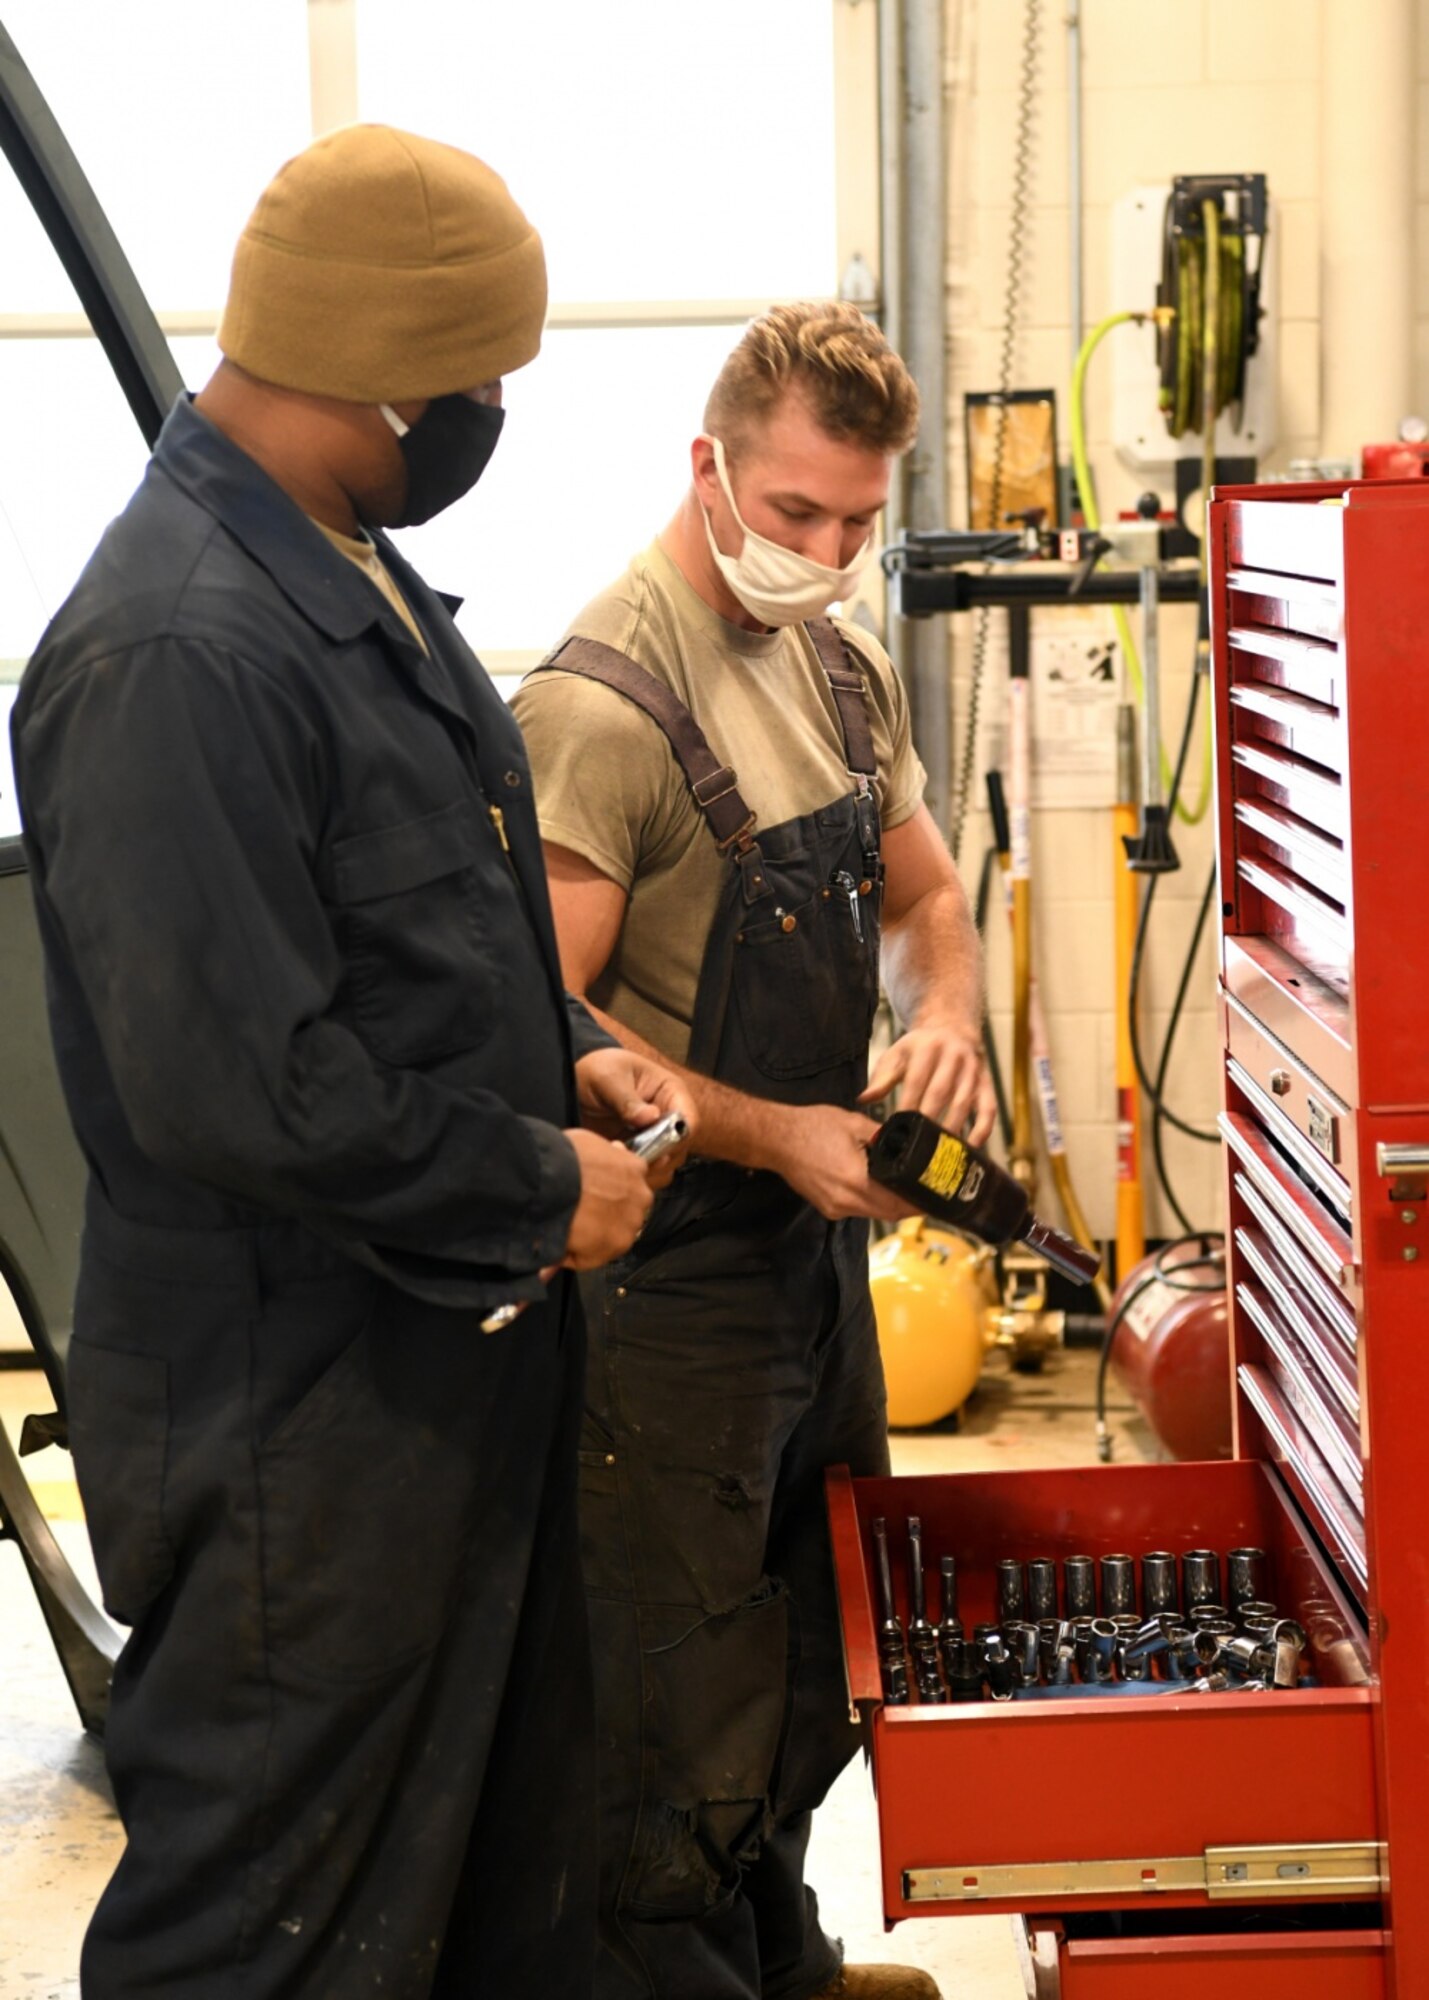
<point>879,1982</point>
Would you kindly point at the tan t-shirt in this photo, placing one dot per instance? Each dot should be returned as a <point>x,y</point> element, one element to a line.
<point>361,551</point>
<point>609,788</point>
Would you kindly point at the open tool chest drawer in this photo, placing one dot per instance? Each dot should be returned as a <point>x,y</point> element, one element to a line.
<point>1096,1798</point>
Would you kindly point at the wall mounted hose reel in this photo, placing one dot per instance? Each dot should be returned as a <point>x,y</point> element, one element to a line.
<point>1207,329</point>
<point>1210,262</point>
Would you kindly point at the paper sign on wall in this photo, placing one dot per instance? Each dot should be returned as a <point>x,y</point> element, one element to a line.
<point>1078,681</point>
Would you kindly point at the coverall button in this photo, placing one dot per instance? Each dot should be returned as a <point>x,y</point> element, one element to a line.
<point>864,887</point>
<point>513,779</point>
<point>620,1291</point>
<point>789,924</point>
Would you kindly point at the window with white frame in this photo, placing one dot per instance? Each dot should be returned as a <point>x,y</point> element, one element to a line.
<point>680,160</point>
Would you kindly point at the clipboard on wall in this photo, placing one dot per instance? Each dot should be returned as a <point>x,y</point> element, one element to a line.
<point>1019,429</point>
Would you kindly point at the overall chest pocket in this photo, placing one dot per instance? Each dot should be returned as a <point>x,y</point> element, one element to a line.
<point>806,984</point>
<point>418,908</point>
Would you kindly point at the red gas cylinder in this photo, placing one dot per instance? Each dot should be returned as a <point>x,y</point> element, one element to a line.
<point>1171,1348</point>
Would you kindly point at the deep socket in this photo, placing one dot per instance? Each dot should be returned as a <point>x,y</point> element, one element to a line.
<point>1079,1587</point>
<point>1011,1591</point>
<point>1158,1583</point>
<point>1200,1577</point>
<point>1245,1577</point>
<point>1118,1575</point>
<point>1041,1588</point>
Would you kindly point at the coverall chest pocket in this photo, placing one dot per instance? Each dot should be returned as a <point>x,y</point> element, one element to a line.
<point>806,982</point>
<point>418,907</point>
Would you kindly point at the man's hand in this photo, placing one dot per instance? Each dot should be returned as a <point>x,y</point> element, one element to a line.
<point>615,1200</point>
<point>822,1152</point>
<point>942,1074</point>
<point>621,1090</point>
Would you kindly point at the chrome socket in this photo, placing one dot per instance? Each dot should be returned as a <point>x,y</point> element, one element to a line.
<point>1216,1683</point>
<point>1103,1647</point>
<point>1200,1577</point>
<point>1245,1577</point>
<point>1118,1580</point>
<point>1041,1589</point>
<point>1011,1592</point>
<point>1079,1587</point>
<point>1021,1640</point>
<point>1288,1644</point>
<point>1158,1583</point>
<point>1001,1669</point>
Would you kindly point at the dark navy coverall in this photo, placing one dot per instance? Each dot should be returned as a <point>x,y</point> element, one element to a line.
<point>309,1020</point>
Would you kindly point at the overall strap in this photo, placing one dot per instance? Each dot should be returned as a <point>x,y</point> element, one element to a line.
<point>713,785</point>
<point>850,691</point>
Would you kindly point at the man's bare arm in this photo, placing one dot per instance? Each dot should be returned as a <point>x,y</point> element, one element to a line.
<point>932,967</point>
<point>819,1149</point>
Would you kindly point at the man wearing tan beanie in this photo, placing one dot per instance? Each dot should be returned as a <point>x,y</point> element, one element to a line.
<point>340,1117</point>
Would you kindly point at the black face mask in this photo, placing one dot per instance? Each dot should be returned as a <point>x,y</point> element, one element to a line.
<point>445,453</point>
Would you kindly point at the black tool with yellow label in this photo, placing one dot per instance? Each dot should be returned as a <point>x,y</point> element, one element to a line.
<point>947,1178</point>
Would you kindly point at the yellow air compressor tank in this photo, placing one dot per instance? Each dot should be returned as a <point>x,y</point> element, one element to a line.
<point>931,1290</point>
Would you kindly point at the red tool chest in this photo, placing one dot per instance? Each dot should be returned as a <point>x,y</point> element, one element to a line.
<point>1282,1836</point>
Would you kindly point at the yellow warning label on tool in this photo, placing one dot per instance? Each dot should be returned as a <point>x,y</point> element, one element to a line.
<point>944,1172</point>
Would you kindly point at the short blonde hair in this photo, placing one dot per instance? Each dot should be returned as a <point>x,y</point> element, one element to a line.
<point>834,355</point>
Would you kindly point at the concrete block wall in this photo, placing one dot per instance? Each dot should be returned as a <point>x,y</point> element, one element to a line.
<point>1170,86</point>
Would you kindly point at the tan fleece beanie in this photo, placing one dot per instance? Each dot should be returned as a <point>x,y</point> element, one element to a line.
<point>383,268</point>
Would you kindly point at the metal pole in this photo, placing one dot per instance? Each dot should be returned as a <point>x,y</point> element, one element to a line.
<point>1074,165</point>
<point>919,331</point>
<point>1151,787</point>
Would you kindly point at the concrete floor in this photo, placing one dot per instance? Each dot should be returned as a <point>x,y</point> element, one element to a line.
<point>60,1838</point>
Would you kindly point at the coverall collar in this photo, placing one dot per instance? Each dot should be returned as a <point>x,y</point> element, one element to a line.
<point>222,478</point>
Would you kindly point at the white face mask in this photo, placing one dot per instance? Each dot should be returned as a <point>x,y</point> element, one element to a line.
<point>775,584</point>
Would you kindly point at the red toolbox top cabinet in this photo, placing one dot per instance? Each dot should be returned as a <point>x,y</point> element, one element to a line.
<point>1260,1817</point>
<point>1320,631</point>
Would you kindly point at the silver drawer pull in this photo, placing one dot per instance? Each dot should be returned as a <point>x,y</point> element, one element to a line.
<point>1409,1157</point>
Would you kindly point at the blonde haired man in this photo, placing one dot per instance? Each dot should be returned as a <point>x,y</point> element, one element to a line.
<point>732,814</point>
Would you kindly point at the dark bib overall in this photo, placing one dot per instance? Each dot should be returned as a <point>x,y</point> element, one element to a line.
<point>734,1357</point>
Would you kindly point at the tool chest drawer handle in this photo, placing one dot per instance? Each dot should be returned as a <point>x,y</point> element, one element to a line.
<point>1331,1303</point>
<point>1293,1380</point>
<point>1287,1134</point>
<point>1409,1157</point>
<point>1347,1533</point>
<point>1326,1242</point>
<point>1331,1362</point>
